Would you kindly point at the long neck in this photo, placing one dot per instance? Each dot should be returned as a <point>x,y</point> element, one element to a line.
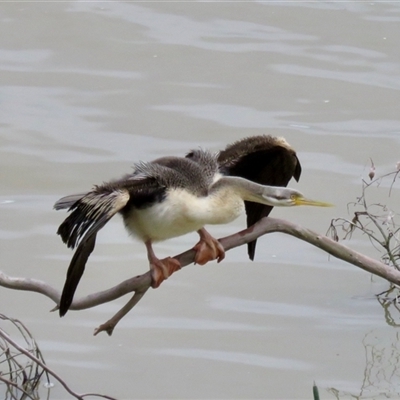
<point>244,188</point>
<point>224,202</point>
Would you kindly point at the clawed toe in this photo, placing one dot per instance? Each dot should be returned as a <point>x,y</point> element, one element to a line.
<point>208,249</point>
<point>162,270</point>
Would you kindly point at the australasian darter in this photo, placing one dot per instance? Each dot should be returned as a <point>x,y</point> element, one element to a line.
<point>172,196</point>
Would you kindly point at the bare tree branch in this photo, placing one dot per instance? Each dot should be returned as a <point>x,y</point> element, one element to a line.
<point>140,284</point>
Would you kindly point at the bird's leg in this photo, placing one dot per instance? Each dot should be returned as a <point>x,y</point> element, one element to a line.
<point>208,248</point>
<point>160,269</point>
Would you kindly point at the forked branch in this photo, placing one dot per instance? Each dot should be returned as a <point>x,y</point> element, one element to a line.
<point>140,284</point>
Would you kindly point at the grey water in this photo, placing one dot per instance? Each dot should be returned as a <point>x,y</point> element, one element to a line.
<point>89,88</point>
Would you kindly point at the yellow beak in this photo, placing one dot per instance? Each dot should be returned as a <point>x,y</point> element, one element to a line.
<point>302,201</point>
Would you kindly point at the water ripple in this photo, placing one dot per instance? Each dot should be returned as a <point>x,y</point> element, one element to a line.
<point>255,360</point>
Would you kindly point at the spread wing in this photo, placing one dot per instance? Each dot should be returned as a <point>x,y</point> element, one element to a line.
<point>262,159</point>
<point>89,213</point>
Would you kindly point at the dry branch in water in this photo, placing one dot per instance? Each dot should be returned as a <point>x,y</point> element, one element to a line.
<point>140,284</point>
<point>24,366</point>
<point>381,225</point>
<point>375,220</point>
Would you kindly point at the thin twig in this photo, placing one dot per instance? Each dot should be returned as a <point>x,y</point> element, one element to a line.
<point>112,322</point>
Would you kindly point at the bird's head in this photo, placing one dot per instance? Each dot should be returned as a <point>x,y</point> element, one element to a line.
<point>285,197</point>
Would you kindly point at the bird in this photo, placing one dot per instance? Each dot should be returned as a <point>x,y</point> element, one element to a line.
<point>172,196</point>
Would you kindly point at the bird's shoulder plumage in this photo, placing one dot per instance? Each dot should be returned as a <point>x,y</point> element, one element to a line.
<point>194,172</point>
<point>266,160</point>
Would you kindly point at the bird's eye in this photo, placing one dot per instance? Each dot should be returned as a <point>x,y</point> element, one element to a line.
<point>292,197</point>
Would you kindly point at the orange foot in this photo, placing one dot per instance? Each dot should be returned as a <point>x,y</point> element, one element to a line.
<point>162,269</point>
<point>208,249</point>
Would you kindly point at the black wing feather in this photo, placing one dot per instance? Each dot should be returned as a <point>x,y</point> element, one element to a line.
<point>91,211</point>
<point>262,159</point>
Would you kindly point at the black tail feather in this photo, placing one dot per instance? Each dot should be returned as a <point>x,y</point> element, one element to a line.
<point>75,272</point>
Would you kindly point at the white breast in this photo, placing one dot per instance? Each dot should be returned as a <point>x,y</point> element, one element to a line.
<point>181,213</point>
